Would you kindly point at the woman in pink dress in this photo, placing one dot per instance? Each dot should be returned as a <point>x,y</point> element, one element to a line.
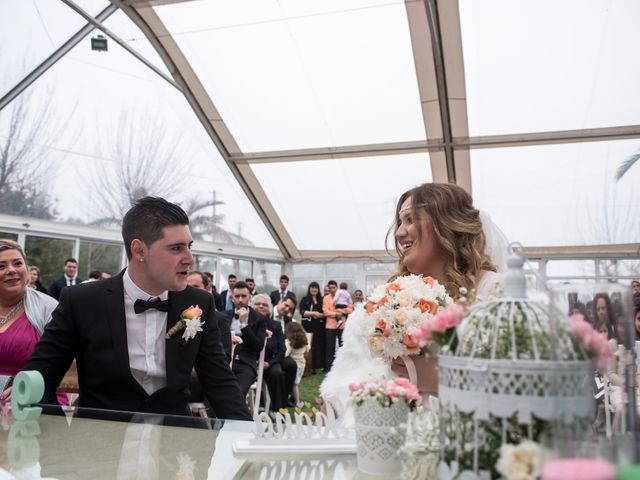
<point>23,312</point>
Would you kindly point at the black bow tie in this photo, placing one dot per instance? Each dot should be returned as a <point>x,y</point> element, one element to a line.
<point>142,305</point>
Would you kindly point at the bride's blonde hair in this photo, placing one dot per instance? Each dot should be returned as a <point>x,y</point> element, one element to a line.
<point>458,231</point>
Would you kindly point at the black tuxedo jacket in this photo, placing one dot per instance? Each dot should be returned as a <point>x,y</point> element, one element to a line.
<point>89,325</point>
<point>58,284</point>
<point>276,348</point>
<point>253,335</point>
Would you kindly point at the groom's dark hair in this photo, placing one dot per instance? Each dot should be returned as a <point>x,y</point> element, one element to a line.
<point>146,219</point>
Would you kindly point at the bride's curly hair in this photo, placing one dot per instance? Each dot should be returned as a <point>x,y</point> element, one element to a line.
<point>458,230</point>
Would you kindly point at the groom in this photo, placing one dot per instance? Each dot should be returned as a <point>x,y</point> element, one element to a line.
<point>116,328</point>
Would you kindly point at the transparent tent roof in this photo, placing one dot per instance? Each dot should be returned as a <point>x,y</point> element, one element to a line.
<point>273,122</point>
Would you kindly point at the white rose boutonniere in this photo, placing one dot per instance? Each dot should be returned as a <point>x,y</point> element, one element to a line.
<point>190,321</point>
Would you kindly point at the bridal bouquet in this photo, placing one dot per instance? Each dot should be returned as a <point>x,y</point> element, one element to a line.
<point>397,310</point>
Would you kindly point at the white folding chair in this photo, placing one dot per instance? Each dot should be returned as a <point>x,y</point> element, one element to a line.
<point>256,390</point>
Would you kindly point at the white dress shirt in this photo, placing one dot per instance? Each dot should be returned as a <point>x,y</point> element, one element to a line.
<point>70,280</point>
<point>145,338</point>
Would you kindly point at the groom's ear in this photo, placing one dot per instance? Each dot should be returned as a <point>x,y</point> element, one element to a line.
<point>138,250</point>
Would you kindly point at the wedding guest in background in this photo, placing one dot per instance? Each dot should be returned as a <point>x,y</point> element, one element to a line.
<point>251,284</point>
<point>333,329</point>
<point>125,331</point>
<point>326,291</point>
<point>603,313</point>
<point>279,372</point>
<point>635,292</point>
<point>67,279</point>
<point>283,312</point>
<point>24,311</point>
<point>94,275</point>
<point>313,322</point>
<point>588,312</point>
<point>342,299</point>
<point>284,291</point>
<point>358,298</point>
<point>251,326</point>
<point>34,279</point>
<point>297,346</point>
<point>636,322</point>
<point>197,280</point>
<point>225,295</point>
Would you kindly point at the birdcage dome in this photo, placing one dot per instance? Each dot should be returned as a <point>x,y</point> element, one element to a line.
<point>513,358</point>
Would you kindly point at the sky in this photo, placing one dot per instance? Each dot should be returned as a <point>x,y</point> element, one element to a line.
<point>304,74</point>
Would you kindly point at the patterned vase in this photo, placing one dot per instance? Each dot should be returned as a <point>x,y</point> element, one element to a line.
<point>380,432</point>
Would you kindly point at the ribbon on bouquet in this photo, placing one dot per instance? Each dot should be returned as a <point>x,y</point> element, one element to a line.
<point>411,369</point>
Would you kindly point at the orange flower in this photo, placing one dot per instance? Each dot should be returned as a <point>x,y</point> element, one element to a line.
<point>408,341</point>
<point>191,312</point>
<point>381,325</point>
<point>370,306</point>
<point>382,301</point>
<point>393,287</point>
<point>427,306</point>
<point>428,280</point>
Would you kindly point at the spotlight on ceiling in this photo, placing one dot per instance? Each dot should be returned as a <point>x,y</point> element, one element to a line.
<point>99,43</point>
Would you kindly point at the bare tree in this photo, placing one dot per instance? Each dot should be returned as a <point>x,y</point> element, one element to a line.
<point>144,159</point>
<point>626,165</point>
<point>25,158</point>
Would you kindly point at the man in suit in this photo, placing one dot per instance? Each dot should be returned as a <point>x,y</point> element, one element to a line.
<point>69,278</point>
<point>225,295</point>
<point>284,291</point>
<point>118,329</point>
<point>249,325</point>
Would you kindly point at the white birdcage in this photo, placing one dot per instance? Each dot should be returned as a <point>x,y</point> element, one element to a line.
<point>512,368</point>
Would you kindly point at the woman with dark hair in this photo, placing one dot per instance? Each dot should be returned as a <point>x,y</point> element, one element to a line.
<point>437,233</point>
<point>313,322</point>
<point>603,314</point>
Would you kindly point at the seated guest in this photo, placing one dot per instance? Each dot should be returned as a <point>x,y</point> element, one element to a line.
<point>279,372</point>
<point>251,327</point>
<point>125,331</point>
<point>23,312</point>
<point>284,311</point>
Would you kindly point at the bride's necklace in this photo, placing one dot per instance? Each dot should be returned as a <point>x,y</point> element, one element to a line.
<point>5,318</point>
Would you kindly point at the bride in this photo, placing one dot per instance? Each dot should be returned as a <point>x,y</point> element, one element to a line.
<point>438,233</point>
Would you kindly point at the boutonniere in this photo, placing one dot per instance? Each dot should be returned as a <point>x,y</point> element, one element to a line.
<point>189,322</point>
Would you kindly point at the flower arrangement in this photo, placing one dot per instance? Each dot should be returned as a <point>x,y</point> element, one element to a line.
<point>593,341</point>
<point>441,327</point>
<point>396,311</point>
<point>236,340</point>
<point>189,321</point>
<point>520,462</point>
<point>386,392</point>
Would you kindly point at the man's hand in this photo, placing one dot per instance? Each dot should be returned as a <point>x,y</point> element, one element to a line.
<point>266,366</point>
<point>243,315</point>
<point>6,395</point>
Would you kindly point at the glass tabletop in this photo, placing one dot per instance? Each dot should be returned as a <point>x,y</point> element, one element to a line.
<point>79,443</point>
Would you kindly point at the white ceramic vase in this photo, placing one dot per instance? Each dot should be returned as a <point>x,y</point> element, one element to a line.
<point>380,432</point>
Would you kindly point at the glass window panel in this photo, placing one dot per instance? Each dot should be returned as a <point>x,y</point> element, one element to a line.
<point>308,270</point>
<point>100,121</point>
<point>544,65</point>
<point>560,194</point>
<point>353,200</point>
<point>281,81</point>
<point>620,268</point>
<point>240,268</point>
<point>341,270</point>
<point>205,263</point>
<point>99,256</point>
<point>570,268</point>
<point>267,275</point>
<point>48,254</point>
<point>380,267</point>
<point>10,236</point>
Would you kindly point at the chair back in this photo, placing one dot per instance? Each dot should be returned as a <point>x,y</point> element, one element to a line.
<point>256,403</point>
